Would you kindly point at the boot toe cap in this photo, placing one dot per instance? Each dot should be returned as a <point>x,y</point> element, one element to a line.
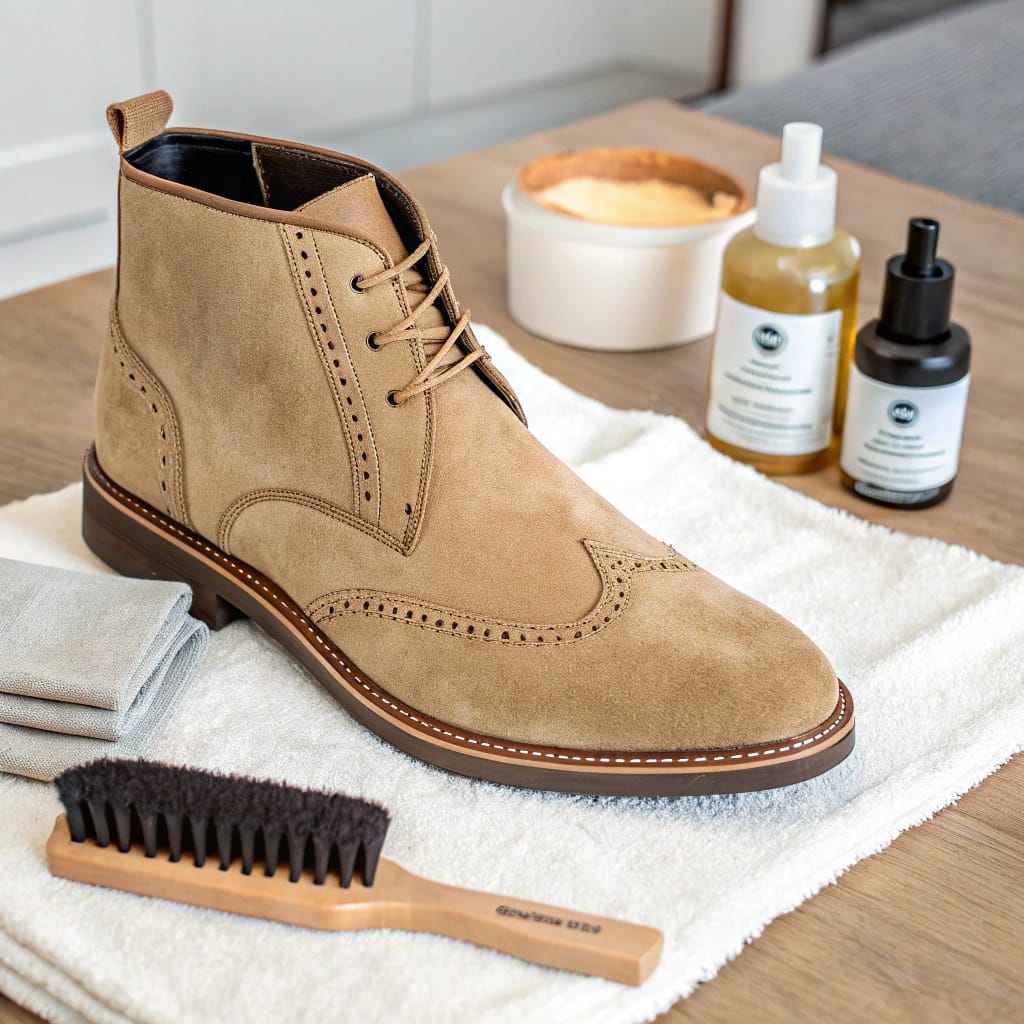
<point>733,672</point>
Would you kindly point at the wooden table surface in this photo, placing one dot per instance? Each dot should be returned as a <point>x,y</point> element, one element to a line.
<point>933,928</point>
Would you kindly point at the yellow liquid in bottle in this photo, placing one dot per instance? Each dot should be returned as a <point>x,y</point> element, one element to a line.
<point>795,281</point>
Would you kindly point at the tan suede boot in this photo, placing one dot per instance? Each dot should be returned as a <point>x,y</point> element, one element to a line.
<point>293,416</point>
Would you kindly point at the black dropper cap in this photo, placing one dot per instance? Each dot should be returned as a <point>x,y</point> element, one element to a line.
<point>917,298</point>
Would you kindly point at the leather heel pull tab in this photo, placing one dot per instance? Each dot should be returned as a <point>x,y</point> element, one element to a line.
<point>137,120</point>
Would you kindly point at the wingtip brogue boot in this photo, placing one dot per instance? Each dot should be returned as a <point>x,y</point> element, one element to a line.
<point>294,416</point>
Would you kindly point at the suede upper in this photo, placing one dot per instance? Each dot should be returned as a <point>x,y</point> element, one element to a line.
<point>471,574</point>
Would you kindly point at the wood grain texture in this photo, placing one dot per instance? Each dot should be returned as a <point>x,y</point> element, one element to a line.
<point>538,932</point>
<point>932,929</point>
<point>12,1013</point>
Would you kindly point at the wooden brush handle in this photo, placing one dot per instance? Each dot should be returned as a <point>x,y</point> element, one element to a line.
<point>583,943</point>
<point>552,936</point>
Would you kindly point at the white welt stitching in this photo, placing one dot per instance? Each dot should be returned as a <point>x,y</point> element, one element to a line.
<point>258,585</point>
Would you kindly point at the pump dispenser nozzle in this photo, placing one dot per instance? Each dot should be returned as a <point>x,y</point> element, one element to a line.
<point>922,243</point>
<point>917,298</point>
<point>796,198</point>
<point>801,152</point>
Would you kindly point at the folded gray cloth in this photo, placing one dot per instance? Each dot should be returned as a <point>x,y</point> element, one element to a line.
<point>90,666</point>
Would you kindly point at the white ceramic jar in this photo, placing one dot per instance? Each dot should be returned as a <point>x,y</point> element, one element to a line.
<point>611,287</point>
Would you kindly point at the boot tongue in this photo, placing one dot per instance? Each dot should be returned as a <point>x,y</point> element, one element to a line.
<point>357,206</point>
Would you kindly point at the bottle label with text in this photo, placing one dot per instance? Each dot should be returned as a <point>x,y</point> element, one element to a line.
<point>903,440</point>
<point>773,379</point>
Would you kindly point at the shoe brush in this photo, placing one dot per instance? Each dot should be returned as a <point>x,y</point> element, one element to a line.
<point>303,858</point>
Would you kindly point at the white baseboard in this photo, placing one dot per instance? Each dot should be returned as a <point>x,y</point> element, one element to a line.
<point>34,262</point>
<point>438,134</point>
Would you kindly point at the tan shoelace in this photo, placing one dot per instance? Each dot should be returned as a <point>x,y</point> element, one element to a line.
<point>407,329</point>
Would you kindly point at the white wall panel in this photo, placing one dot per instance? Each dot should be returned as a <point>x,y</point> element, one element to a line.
<point>482,48</point>
<point>63,63</point>
<point>407,79</point>
<point>280,68</point>
<point>445,133</point>
<point>772,40</point>
<point>680,34</point>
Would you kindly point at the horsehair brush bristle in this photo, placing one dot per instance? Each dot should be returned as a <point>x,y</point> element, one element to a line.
<point>165,807</point>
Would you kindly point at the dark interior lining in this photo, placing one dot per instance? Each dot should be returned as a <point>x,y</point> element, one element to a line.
<point>292,177</point>
<point>225,167</point>
<point>214,164</point>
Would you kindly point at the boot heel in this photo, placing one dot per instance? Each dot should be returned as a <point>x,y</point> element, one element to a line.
<point>105,536</point>
<point>211,608</point>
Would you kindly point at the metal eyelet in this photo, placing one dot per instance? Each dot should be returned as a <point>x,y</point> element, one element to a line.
<point>371,341</point>
<point>392,401</point>
<point>356,284</point>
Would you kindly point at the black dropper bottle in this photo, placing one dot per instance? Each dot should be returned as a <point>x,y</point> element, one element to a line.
<point>908,385</point>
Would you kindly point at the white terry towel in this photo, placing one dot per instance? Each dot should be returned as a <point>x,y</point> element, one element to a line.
<point>929,637</point>
<point>90,666</point>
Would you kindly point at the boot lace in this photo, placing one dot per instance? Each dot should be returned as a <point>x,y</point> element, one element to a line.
<point>406,330</point>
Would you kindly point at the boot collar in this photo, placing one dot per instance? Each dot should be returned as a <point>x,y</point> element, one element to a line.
<point>144,163</point>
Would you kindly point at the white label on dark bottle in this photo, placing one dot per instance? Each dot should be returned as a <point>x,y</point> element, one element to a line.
<point>902,440</point>
<point>773,379</point>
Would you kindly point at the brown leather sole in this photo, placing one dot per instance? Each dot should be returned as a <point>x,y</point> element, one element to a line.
<point>137,540</point>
